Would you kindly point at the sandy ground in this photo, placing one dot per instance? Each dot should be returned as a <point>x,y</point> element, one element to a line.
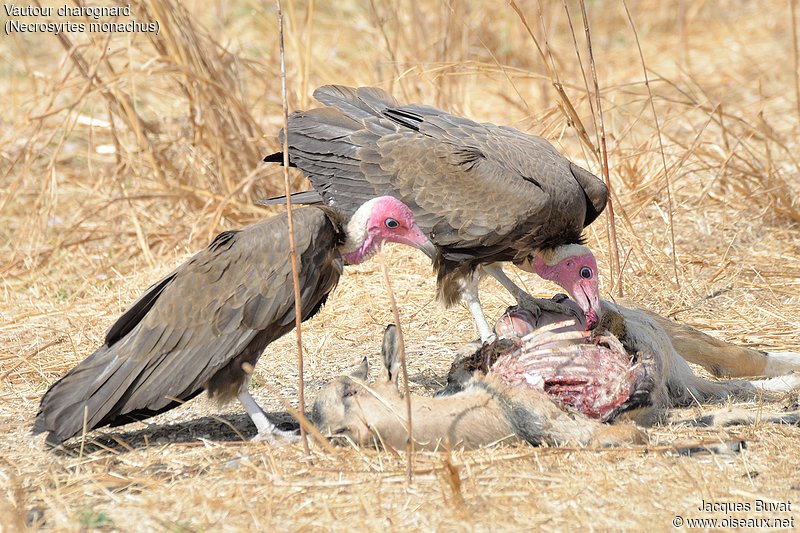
<point>108,182</point>
<point>191,470</point>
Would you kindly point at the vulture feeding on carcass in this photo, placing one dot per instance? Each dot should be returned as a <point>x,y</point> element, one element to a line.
<point>206,324</point>
<point>591,372</point>
<point>482,193</point>
<point>633,362</point>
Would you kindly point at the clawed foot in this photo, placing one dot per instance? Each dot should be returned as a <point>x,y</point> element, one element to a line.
<point>489,339</point>
<point>536,306</point>
<point>277,437</point>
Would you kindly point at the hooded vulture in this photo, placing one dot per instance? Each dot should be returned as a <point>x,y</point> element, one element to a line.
<point>482,193</point>
<point>205,324</point>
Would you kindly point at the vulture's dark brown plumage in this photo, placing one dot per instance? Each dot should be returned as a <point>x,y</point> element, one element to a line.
<point>193,330</point>
<point>483,193</point>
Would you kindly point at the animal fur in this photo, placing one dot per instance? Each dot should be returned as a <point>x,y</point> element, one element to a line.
<point>485,411</point>
<point>481,409</point>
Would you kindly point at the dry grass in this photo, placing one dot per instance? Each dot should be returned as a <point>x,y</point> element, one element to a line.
<point>119,155</point>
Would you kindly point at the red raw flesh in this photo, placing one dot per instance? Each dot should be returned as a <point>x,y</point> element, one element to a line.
<point>592,377</point>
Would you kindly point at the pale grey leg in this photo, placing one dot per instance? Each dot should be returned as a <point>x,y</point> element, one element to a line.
<point>496,271</point>
<point>267,431</point>
<point>469,293</point>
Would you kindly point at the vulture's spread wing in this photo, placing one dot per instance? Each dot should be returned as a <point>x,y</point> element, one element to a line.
<point>234,296</point>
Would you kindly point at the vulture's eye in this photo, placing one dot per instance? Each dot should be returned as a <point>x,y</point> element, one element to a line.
<point>391,223</point>
<point>586,272</point>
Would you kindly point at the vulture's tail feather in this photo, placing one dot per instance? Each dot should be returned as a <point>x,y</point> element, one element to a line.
<point>595,190</point>
<point>94,387</point>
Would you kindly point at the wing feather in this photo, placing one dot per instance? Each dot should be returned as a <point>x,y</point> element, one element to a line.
<point>473,187</point>
<point>235,295</point>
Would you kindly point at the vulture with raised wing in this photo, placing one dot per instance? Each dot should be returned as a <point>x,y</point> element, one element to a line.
<point>205,324</point>
<point>482,193</point>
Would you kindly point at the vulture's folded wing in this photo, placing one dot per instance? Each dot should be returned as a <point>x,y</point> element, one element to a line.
<point>234,296</point>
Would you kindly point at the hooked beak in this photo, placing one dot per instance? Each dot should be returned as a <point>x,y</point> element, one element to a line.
<point>587,299</point>
<point>421,241</point>
<point>429,249</point>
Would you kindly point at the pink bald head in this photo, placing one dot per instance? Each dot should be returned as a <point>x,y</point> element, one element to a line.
<point>384,219</point>
<point>574,268</point>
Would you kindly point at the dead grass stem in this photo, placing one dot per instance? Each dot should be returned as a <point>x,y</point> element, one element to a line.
<point>298,302</point>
